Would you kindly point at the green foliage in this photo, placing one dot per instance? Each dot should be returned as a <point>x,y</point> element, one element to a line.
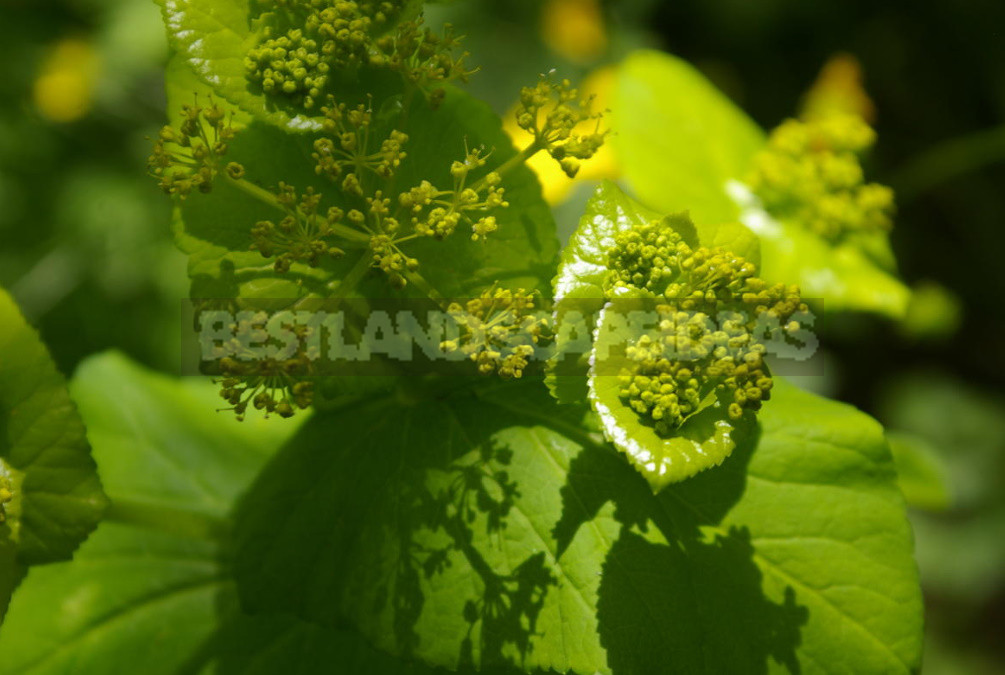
<point>50,495</point>
<point>960,550</point>
<point>515,535</point>
<point>676,129</point>
<point>317,151</point>
<point>153,585</point>
<point>685,146</point>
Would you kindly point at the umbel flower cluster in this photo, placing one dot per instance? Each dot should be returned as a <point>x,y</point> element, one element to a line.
<point>362,163</point>
<point>190,156</point>
<point>360,206</point>
<point>552,112</point>
<point>301,235</point>
<point>279,384</point>
<point>499,331</point>
<point>810,173</point>
<point>302,43</point>
<point>711,311</point>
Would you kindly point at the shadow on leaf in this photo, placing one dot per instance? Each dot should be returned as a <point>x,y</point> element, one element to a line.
<point>679,593</point>
<point>491,528</point>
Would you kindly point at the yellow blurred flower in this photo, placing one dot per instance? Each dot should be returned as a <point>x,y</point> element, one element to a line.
<point>574,29</point>
<point>839,89</point>
<point>64,88</point>
<point>554,183</point>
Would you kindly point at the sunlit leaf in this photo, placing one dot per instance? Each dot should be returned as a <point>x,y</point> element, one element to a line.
<point>513,535</point>
<point>679,140</point>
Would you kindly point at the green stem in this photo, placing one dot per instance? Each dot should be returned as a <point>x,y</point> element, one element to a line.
<point>420,282</point>
<point>178,522</point>
<point>511,163</point>
<point>266,197</point>
<point>348,283</point>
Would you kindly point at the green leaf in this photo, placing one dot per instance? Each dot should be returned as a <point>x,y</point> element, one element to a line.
<point>160,441</point>
<point>215,229</point>
<point>141,596</point>
<point>579,285</point>
<point>491,527</point>
<point>846,277</point>
<point>152,588</point>
<point>679,139</point>
<point>45,461</point>
<point>575,370</point>
<point>129,597</point>
<point>920,471</point>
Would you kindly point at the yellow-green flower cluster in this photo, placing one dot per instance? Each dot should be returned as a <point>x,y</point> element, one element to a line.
<point>706,350</point>
<point>551,112</point>
<point>437,213</point>
<point>190,156</point>
<point>278,385</point>
<point>810,173</point>
<point>344,149</point>
<point>301,43</point>
<point>344,155</point>
<point>499,330</point>
<point>304,40</point>
<point>6,494</point>
<point>422,56</point>
<point>302,236</point>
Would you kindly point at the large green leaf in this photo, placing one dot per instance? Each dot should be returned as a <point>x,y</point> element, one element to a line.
<point>154,587</point>
<point>160,442</point>
<point>679,140</point>
<point>491,527</point>
<point>136,595</point>
<point>45,462</point>
<point>130,596</point>
<point>215,229</point>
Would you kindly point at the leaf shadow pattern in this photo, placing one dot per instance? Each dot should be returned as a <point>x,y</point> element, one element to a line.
<point>678,591</point>
<point>468,500</point>
<point>367,521</point>
<point>488,528</point>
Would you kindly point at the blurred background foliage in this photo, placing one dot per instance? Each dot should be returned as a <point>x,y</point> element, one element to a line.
<point>85,243</point>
